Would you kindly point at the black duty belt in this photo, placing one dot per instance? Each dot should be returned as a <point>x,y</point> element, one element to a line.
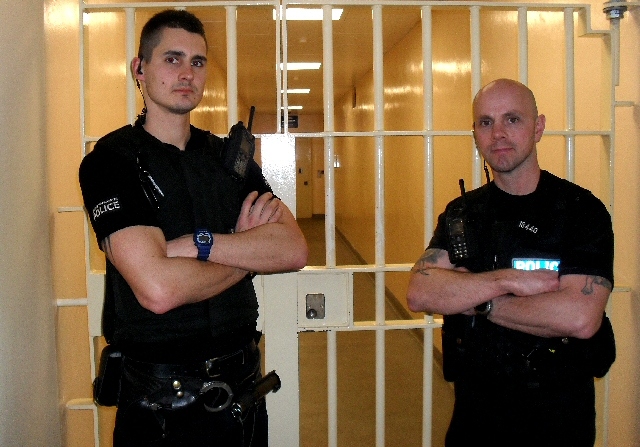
<point>213,367</point>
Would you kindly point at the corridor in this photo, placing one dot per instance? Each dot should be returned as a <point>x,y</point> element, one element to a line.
<point>356,370</point>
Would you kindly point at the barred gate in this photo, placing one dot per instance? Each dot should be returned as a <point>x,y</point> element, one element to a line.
<point>383,119</point>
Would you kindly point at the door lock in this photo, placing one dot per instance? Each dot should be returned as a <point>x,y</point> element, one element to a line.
<point>315,306</point>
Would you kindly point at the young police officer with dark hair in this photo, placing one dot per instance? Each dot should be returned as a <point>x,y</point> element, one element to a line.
<point>521,268</point>
<point>181,239</point>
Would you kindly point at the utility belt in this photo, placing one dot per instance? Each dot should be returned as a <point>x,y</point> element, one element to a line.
<point>473,346</point>
<point>232,381</point>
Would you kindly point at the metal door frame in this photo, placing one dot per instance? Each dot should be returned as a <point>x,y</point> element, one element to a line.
<point>281,321</point>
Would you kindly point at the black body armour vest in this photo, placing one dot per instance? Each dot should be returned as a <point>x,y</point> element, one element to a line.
<point>509,228</point>
<point>190,190</point>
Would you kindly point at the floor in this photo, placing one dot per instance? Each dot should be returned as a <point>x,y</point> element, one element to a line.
<point>356,371</point>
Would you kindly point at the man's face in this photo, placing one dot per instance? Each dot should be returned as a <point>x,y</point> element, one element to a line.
<point>175,75</point>
<point>506,128</point>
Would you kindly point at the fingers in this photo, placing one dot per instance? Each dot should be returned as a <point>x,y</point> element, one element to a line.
<point>247,204</point>
<point>255,212</point>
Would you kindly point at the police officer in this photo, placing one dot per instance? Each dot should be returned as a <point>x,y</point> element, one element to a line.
<point>181,240</point>
<point>521,346</point>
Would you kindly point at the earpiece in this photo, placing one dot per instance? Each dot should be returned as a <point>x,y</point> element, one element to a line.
<point>139,70</point>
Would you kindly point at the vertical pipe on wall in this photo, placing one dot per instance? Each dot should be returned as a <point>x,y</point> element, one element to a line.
<point>610,144</point>
<point>614,81</point>
<point>378,96</point>
<point>570,103</point>
<point>329,142</point>
<point>427,86</point>
<point>476,84</point>
<point>232,66</point>
<point>523,46</point>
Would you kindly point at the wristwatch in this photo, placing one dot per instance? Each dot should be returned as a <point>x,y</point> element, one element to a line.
<point>484,308</point>
<point>204,241</point>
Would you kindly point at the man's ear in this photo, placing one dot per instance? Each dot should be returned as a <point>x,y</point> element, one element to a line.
<point>541,121</point>
<point>136,68</point>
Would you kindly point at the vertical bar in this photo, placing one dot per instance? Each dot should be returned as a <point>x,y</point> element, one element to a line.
<point>232,66</point>
<point>130,42</point>
<point>570,139</point>
<point>285,77</point>
<point>427,86</point>
<point>329,142</point>
<point>280,89</point>
<point>427,367</point>
<point>476,84</point>
<point>281,354</point>
<point>87,255</point>
<point>427,384</point>
<point>378,94</point>
<point>83,123</point>
<point>332,388</point>
<point>523,46</point>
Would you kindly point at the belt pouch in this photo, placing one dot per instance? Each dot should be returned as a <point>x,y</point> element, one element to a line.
<point>106,386</point>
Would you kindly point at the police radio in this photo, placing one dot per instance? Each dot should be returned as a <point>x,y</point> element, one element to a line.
<point>239,148</point>
<point>462,241</point>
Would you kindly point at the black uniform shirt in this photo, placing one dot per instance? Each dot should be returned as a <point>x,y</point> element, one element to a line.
<point>192,190</point>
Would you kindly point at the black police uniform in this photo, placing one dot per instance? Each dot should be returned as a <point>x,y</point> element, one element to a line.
<point>131,178</point>
<point>513,388</point>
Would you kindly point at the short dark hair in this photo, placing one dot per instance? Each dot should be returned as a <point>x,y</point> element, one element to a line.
<point>170,18</point>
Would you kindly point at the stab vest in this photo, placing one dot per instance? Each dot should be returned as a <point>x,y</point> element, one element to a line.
<point>196,192</point>
<point>473,346</point>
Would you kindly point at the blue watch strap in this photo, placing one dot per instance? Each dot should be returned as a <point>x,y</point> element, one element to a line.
<point>203,239</point>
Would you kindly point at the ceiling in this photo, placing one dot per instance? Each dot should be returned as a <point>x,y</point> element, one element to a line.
<point>256,42</point>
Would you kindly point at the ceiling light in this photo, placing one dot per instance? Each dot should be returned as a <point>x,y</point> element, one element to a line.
<point>308,14</point>
<point>292,107</point>
<point>301,66</point>
<point>292,91</point>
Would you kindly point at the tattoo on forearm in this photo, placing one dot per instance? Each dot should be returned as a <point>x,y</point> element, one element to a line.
<point>595,280</point>
<point>430,256</point>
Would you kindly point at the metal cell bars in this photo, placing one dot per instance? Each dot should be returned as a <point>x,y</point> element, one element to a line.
<point>428,133</point>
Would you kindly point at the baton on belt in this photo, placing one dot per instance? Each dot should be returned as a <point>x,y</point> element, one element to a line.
<point>270,382</point>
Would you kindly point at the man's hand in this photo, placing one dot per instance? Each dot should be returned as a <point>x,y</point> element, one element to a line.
<point>266,209</point>
<point>527,283</point>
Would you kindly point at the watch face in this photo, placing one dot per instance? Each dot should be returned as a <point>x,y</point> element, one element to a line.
<point>204,238</point>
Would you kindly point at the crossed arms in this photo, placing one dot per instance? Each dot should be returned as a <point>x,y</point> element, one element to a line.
<point>536,302</point>
<point>166,274</point>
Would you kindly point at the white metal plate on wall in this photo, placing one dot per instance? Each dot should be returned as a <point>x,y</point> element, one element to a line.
<point>337,288</point>
<point>95,299</point>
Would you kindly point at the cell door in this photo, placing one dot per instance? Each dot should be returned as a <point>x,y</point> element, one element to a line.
<point>383,90</point>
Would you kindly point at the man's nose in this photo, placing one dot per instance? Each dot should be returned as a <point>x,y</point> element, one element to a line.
<point>187,72</point>
<point>497,130</point>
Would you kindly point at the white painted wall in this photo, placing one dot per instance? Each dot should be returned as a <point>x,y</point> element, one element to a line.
<point>29,414</point>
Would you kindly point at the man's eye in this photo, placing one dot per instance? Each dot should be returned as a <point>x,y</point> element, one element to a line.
<point>514,119</point>
<point>485,123</point>
<point>198,63</point>
<point>172,60</point>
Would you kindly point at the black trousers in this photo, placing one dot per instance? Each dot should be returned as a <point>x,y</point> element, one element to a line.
<point>140,425</point>
<point>523,415</point>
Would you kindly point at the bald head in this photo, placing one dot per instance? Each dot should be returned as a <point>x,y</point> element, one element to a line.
<point>506,87</point>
